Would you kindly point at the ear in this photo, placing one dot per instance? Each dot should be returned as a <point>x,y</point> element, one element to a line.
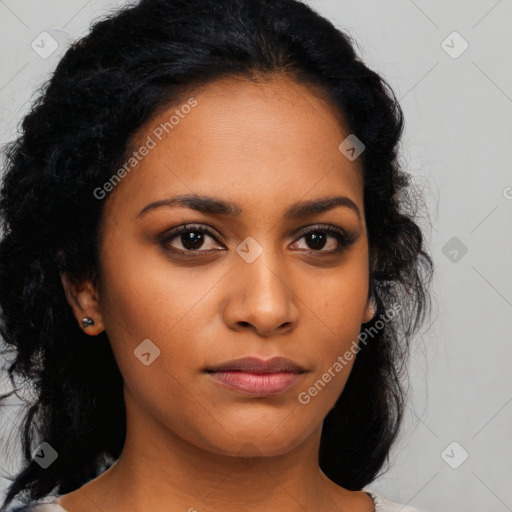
<point>83,298</point>
<point>370,310</point>
<point>371,304</point>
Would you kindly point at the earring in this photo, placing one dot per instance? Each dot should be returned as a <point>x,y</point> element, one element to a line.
<point>87,321</point>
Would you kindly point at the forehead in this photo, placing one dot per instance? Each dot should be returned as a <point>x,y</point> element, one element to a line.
<point>254,142</point>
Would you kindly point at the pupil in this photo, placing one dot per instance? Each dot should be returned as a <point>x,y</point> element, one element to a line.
<point>192,240</point>
<point>318,240</point>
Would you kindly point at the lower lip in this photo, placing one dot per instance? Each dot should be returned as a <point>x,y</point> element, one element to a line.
<point>257,383</point>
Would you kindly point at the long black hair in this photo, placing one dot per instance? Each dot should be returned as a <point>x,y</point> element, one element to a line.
<point>132,63</point>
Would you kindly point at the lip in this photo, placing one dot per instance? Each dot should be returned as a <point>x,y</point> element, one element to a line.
<point>257,365</point>
<point>256,376</point>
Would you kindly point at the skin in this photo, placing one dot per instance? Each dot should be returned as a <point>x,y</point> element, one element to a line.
<point>192,444</point>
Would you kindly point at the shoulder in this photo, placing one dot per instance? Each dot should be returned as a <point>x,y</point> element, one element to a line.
<point>384,505</point>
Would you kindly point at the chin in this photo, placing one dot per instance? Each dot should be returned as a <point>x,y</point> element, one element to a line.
<point>260,442</point>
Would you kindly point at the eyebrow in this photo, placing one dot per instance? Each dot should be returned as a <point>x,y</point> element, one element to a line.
<point>215,206</point>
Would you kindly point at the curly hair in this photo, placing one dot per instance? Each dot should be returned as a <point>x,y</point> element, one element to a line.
<point>133,62</point>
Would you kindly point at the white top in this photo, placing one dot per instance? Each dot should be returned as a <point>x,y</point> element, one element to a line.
<point>381,504</point>
<point>49,504</point>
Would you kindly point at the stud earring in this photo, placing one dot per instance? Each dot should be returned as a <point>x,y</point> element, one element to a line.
<point>87,321</point>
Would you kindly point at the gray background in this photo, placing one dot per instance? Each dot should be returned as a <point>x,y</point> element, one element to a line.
<point>458,111</point>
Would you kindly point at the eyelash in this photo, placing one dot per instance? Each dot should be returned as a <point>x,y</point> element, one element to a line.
<point>343,239</point>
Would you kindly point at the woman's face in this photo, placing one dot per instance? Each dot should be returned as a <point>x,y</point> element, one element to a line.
<point>243,280</point>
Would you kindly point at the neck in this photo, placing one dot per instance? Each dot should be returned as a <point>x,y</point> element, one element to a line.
<point>160,471</point>
<point>159,474</point>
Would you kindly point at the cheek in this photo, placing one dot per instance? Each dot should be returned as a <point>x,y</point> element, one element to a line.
<point>146,297</point>
<point>338,300</point>
<point>135,301</point>
<point>149,311</point>
<point>145,292</point>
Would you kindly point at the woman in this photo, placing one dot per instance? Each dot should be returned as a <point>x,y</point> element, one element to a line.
<point>208,274</point>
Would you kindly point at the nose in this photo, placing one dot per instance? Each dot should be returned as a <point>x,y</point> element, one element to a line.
<point>261,297</point>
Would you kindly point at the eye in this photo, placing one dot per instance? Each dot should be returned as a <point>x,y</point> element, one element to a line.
<point>317,239</point>
<point>190,237</point>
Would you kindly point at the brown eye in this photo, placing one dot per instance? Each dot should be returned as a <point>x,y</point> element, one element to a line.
<point>326,239</point>
<point>191,238</point>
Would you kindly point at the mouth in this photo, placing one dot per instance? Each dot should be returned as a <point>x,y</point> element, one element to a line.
<point>255,376</point>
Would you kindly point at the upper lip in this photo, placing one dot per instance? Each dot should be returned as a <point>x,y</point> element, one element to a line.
<point>256,365</point>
